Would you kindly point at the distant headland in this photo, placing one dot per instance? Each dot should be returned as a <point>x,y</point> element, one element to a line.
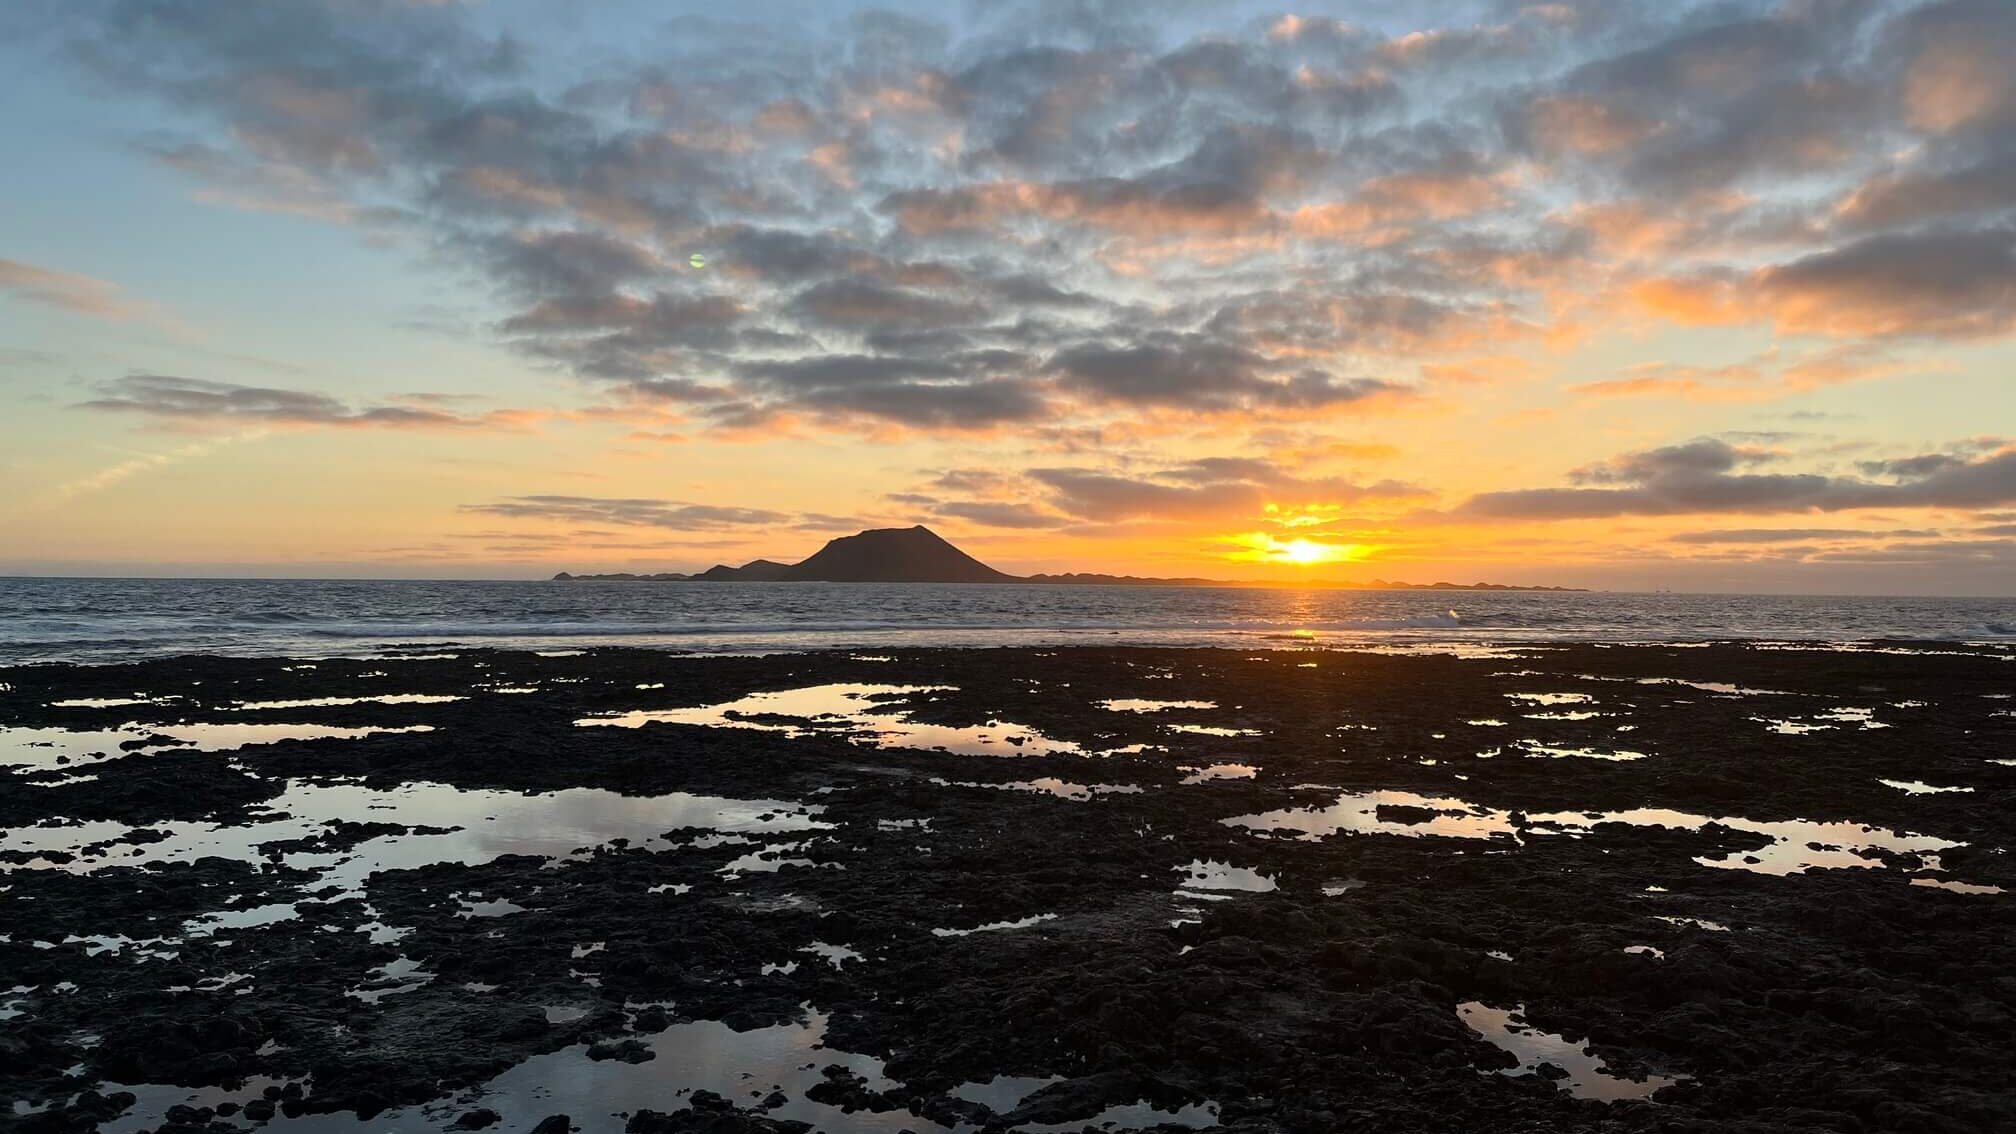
<point>920,555</point>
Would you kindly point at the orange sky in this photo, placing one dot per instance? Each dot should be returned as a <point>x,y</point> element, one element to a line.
<point>1690,296</point>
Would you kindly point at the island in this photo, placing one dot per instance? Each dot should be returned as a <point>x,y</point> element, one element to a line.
<point>920,555</point>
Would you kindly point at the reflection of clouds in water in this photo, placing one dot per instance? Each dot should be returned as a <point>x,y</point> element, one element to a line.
<point>857,711</point>
<point>1588,1077</point>
<point>492,824</point>
<point>63,747</point>
<point>1797,845</point>
<point>41,748</point>
<point>1049,785</point>
<point>332,702</point>
<point>702,1055</point>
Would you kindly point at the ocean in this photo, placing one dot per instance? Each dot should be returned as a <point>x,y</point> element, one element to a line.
<point>105,620</point>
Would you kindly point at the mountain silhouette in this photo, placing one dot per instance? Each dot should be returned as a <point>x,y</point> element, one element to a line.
<point>754,571</point>
<point>893,555</point>
<point>920,555</point>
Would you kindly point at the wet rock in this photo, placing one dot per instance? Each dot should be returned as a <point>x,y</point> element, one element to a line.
<point>623,1051</point>
<point>849,1091</point>
<point>554,1124</point>
<point>710,1120</point>
<point>1839,998</point>
<point>477,1119</point>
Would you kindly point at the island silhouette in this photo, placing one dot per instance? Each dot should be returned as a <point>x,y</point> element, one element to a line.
<point>920,555</point>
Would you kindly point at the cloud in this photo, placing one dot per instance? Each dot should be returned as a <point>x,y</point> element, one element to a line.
<point>196,400</point>
<point>65,291</point>
<point>1938,554</point>
<point>1055,212</point>
<point>1094,495</point>
<point>863,303</point>
<point>1957,284</point>
<point>961,406</point>
<point>1199,374</point>
<point>1212,489</point>
<point>1702,477</point>
<point>1575,124</point>
<point>1956,76</point>
<point>1792,535</point>
<point>1952,284</point>
<point>134,466</point>
<point>1000,514</point>
<point>1980,189</point>
<point>630,512</point>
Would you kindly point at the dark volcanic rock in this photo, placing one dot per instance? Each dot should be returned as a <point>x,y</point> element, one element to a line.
<point>961,918</point>
<point>623,1051</point>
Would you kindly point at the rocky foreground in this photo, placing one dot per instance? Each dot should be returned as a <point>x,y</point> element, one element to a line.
<point>1732,888</point>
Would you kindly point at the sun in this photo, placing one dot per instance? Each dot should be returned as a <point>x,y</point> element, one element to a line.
<point>1265,547</point>
<point>1307,551</point>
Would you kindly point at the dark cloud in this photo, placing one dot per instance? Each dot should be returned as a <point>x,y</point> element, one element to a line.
<point>1940,283</point>
<point>1057,205</point>
<point>662,320</point>
<point>1984,189</point>
<point>1912,468</point>
<point>1693,460</point>
<point>1195,373</point>
<point>1699,478</point>
<point>782,255</point>
<point>844,371</point>
<point>855,303</point>
<point>974,405</point>
<point>563,262</point>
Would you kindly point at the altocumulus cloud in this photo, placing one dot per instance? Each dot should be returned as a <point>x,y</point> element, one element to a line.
<point>1708,476</point>
<point>1048,212</point>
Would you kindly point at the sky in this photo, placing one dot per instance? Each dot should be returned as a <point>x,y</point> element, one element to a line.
<point>1707,295</point>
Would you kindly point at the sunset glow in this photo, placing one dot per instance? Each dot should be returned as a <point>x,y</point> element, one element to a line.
<point>1260,547</point>
<point>1691,296</point>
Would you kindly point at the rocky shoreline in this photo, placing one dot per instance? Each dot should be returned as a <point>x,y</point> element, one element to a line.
<point>1580,887</point>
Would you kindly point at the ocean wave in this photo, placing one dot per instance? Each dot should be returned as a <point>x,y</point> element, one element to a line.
<point>616,629</point>
<point>1447,621</point>
<point>412,630</point>
<point>68,619</point>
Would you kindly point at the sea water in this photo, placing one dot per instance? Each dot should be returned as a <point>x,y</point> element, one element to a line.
<point>122,619</point>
